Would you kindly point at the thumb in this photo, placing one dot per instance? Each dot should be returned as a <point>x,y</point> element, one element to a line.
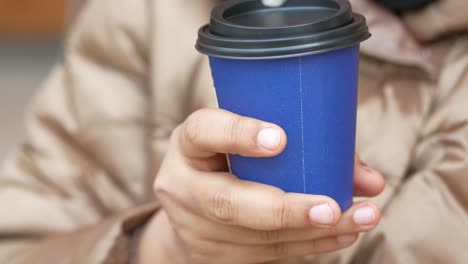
<point>211,131</point>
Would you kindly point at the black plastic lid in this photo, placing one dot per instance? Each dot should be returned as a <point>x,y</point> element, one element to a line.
<point>247,29</point>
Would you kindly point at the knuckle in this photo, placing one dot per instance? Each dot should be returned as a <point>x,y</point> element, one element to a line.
<point>233,130</point>
<point>197,249</point>
<point>191,130</point>
<point>165,182</point>
<point>279,250</point>
<point>283,213</point>
<point>203,251</point>
<point>181,227</point>
<point>268,235</point>
<point>314,246</point>
<point>160,189</point>
<point>164,189</point>
<point>224,207</point>
<point>197,254</point>
<point>332,230</point>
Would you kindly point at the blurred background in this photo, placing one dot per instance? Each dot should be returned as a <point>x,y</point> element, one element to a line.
<point>31,33</point>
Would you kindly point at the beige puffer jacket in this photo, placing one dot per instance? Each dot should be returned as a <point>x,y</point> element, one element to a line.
<point>75,190</point>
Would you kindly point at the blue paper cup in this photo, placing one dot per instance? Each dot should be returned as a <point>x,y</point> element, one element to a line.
<point>310,91</point>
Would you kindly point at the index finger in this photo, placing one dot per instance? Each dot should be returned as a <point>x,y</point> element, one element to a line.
<point>226,199</point>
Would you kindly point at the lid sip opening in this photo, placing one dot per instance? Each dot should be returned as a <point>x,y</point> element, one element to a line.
<point>247,29</point>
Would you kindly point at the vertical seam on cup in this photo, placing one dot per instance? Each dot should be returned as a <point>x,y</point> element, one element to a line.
<point>302,124</point>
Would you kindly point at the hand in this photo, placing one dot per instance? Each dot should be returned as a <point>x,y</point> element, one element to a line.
<point>210,216</point>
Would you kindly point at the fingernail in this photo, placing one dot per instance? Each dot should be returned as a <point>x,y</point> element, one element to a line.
<point>346,239</point>
<point>321,214</point>
<point>364,216</point>
<point>269,138</point>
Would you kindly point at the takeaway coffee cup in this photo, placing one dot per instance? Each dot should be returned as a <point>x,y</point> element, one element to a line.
<point>295,66</point>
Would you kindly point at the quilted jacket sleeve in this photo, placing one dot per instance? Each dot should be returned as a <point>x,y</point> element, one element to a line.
<point>74,189</point>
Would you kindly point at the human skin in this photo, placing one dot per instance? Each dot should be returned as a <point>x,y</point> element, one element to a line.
<point>211,216</point>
